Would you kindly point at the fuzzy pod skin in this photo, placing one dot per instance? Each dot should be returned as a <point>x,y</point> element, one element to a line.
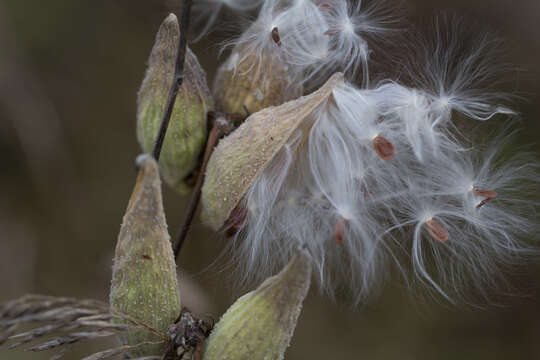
<point>260,324</point>
<point>144,283</point>
<point>242,156</point>
<point>247,83</point>
<point>187,131</point>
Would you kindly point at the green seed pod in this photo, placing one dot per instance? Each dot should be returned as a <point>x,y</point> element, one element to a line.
<point>144,283</point>
<point>186,134</point>
<point>249,82</point>
<point>242,156</point>
<point>260,324</point>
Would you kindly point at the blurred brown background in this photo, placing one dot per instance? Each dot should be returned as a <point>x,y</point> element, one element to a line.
<point>69,73</point>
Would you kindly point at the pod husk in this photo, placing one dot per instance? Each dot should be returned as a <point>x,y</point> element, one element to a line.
<point>242,156</point>
<point>260,324</point>
<point>249,82</point>
<point>187,131</point>
<point>144,283</point>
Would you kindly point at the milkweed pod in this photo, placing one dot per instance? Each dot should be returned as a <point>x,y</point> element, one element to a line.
<point>242,156</point>
<point>186,134</point>
<point>260,324</point>
<point>249,81</point>
<point>144,283</point>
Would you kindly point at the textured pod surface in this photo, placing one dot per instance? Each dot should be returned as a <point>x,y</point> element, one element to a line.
<point>242,156</point>
<point>253,82</point>
<point>261,323</point>
<point>187,130</point>
<point>144,283</point>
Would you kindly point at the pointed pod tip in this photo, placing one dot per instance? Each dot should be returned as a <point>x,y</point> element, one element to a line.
<point>166,42</point>
<point>148,169</point>
<point>299,267</point>
<point>148,178</point>
<point>143,160</point>
<point>171,18</point>
<point>336,78</point>
<point>260,324</point>
<point>170,22</point>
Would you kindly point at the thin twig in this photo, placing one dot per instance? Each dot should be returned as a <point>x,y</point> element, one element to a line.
<point>177,79</point>
<point>221,126</point>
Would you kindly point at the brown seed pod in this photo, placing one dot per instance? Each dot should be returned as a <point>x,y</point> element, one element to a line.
<point>436,231</point>
<point>383,147</point>
<point>242,156</point>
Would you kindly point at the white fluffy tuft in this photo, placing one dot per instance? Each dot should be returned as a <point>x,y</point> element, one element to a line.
<point>383,176</point>
<point>459,67</point>
<point>317,37</point>
<point>206,12</point>
<point>454,215</point>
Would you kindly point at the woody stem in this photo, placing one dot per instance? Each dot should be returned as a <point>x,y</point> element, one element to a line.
<point>178,79</point>
<point>221,126</point>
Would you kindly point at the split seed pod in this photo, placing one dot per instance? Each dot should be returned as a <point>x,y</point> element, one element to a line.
<point>144,283</point>
<point>242,156</point>
<point>249,81</point>
<point>186,134</point>
<point>261,323</point>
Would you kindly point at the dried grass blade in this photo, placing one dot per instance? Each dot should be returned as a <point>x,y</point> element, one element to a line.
<point>117,351</point>
<point>70,339</point>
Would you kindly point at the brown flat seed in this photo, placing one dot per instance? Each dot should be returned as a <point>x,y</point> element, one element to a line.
<point>483,202</point>
<point>383,148</point>
<point>490,194</point>
<point>330,32</point>
<point>436,231</point>
<point>275,36</point>
<point>236,221</point>
<point>324,5</point>
<point>339,230</point>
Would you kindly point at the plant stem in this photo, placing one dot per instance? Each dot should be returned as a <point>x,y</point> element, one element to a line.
<point>178,78</point>
<point>221,126</point>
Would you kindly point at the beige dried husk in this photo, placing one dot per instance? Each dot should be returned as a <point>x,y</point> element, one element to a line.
<point>242,156</point>
<point>248,82</point>
<point>260,324</point>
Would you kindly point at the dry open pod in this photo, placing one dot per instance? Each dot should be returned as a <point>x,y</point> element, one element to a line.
<point>186,134</point>
<point>250,81</point>
<point>144,283</point>
<point>260,324</point>
<point>242,156</point>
